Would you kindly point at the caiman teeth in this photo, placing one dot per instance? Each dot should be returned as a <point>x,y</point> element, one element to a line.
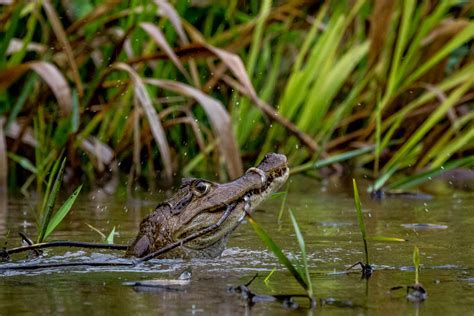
<point>247,203</point>
<point>261,173</point>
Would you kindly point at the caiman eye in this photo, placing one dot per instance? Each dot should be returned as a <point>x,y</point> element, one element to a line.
<point>202,188</point>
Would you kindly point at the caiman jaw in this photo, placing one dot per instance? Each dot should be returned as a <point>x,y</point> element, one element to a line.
<point>200,204</point>
<point>261,182</point>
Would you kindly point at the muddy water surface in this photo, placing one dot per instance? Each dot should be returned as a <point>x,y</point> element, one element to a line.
<point>327,218</point>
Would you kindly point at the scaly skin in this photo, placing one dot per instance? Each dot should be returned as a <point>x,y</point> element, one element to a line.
<point>199,204</point>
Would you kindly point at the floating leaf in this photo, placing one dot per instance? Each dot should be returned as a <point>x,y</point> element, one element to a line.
<point>383,238</point>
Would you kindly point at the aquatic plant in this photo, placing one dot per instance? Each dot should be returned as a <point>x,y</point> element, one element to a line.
<point>302,277</point>
<point>47,219</point>
<point>366,267</point>
<point>415,292</point>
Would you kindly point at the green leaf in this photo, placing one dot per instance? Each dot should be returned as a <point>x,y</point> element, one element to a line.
<point>62,212</point>
<point>331,160</point>
<point>52,191</point>
<point>268,241</point>
<point>383,238</point>
<point>428,124</point>
<point>416,262</point>
<point>22,161</point>
<point>110,237</point>
<point>412,181</point>
<point>277,195</point>
<point>267,278</point>
<point>299,237</point>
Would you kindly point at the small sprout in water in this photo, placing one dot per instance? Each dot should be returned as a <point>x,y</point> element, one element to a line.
<point>415,292</point>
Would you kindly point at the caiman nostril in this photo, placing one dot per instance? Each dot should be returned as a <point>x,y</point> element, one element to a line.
<point>261,173</point>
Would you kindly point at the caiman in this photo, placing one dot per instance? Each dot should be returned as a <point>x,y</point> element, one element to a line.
<point>200,204</point>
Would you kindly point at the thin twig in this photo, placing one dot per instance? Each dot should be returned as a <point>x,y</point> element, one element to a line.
<point>36,266</point>
<point>65,243</point>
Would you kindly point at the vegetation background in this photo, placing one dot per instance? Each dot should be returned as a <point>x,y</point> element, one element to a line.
<point>156,90</point>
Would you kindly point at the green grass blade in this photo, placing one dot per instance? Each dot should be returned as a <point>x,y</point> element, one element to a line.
<point>22,161</point>
<point>462,139</point>
<point>61,212</point>
<point>433,119</point>
<point>50,197</point>
<point>331,160</point>
<point>405,24</point>
<point>110,237</point>
<point>416,262</point>
<point>20,101</point>
<point>283,203</point>
<point>461,38</point>
<point>383,238</point>
<point>272,246</point>
<point>360,219</point>
<point>267,278</point>
<point>10,32</point>
<point>412,181</point>
<point>299,237</point>
<point>378,133</point>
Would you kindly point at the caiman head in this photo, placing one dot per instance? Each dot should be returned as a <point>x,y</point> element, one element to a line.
<point>200,204</point>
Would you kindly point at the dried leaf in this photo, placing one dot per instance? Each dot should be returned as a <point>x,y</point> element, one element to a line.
<point>14,131</point>
<point>435,41</point>
<point>219,118</point>
<point>152,116</point>
<point>55,80</point>
<point>379,27</point>
<point>16,45</point>
<point>62,38</point>
<point>160,40</point>
<point>166,9</point>
<point>49,73</point>
<point>101,153</point>
<point>235,64</point>
<point>445,31</point>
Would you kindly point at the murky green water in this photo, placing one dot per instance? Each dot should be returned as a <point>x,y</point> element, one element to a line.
<point>327,218</point>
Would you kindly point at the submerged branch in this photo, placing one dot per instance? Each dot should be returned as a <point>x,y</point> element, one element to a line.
<point>64,243</point>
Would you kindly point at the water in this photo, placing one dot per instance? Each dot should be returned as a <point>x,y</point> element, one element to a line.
<point>441,227</point>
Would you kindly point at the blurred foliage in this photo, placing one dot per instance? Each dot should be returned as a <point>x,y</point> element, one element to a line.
<point>158,89</point>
